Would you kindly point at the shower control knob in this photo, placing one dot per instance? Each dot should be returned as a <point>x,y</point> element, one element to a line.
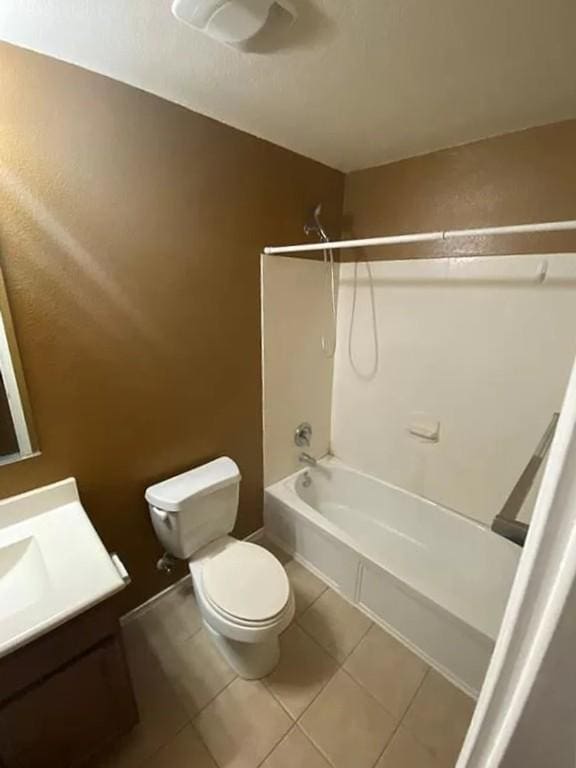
<point>303,435</point>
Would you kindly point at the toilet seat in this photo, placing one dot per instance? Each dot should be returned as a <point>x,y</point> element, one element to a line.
<point>246,585</point>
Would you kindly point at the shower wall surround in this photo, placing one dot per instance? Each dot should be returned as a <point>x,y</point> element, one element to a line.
<point>297,374</point>
<point>481,348</point>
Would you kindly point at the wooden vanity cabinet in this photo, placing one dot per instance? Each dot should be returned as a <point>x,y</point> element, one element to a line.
<point>65,696</point>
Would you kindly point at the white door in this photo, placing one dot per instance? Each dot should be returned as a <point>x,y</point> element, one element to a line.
<point>526,712</point>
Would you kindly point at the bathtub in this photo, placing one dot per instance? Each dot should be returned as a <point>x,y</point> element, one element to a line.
<point>433,578</point>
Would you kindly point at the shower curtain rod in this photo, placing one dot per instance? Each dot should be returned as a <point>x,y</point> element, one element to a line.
<point>515,229</point>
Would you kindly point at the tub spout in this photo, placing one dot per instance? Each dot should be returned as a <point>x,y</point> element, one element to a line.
<point>305,458</point>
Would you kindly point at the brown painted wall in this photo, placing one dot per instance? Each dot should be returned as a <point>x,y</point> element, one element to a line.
<point>130,232</point>
<point>514,179</point>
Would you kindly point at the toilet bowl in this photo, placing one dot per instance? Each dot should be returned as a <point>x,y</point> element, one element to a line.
<point>245,600</point>
<point>242,590</point>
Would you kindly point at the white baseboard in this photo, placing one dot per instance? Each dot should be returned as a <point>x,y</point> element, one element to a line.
<point>256,536</point>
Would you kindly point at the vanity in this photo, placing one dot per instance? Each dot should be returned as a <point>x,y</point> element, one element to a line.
<point>65,691</point>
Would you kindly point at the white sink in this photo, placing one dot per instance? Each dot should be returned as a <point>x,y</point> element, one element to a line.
<point>53,564</point>
<point>23,576</point>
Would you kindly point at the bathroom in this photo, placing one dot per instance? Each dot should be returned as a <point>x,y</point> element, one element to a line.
<point>368,446</point>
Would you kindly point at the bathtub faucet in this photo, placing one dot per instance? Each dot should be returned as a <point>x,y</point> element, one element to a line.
<point>305,458</point>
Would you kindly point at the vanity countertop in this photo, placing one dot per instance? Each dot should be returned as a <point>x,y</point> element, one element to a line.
<point>53,564</point>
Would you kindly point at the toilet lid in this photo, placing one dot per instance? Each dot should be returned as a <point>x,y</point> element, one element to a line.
<point>247,582</point>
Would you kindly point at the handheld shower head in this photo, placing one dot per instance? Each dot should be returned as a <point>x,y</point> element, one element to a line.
<point>314,226</point>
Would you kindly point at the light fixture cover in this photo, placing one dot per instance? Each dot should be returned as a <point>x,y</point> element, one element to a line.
<point>230,21</point>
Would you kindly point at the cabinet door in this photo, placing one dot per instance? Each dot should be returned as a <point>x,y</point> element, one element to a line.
<point>71,715</point>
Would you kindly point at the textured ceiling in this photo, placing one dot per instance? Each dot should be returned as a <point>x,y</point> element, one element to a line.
<point>354,83</point>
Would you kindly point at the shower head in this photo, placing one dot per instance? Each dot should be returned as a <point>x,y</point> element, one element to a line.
<point>314,226</point>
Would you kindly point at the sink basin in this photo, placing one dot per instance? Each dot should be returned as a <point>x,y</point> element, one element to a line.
<point>53,564</point>
<point>23,576</point>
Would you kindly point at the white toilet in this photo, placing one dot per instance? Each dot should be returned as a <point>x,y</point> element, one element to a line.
<point>242,590</point>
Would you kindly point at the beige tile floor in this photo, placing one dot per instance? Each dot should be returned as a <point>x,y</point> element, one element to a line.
<point>345,694</point>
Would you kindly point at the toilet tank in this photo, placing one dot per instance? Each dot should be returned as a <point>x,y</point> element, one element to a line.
<point>190,510</point>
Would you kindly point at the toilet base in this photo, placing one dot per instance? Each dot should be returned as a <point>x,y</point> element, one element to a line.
<point>250,661</point>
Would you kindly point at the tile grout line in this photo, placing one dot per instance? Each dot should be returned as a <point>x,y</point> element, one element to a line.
<point>277,700</point>
<point>160,747</point>
<point>339,668</point>
<point>192,721</point>
<point>166,679</point>
<point>284,735</point>
<point>296,623</point>
<point>318,643</point>
<point>277,744</point>
<point>311,740</point>
<point>317,746</point>
<point>334,658</point>
<point>307,707</point>
<point>169,679</point>
<point>401,720</point>
<point>303,628</point>
<point>412,733</point>
<point>205,706</point>
<point>416,692</point>
<point>377,623</point>
<point>371,695</point>
<point>203,742</point>
<point>191,718</point>
<point>341,664</point>
<point>398,718</point>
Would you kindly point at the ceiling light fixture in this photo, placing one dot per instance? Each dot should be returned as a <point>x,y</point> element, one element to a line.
<point>229,21</point>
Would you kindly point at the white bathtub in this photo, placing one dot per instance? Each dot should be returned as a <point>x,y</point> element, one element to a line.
<point>432,577</point>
